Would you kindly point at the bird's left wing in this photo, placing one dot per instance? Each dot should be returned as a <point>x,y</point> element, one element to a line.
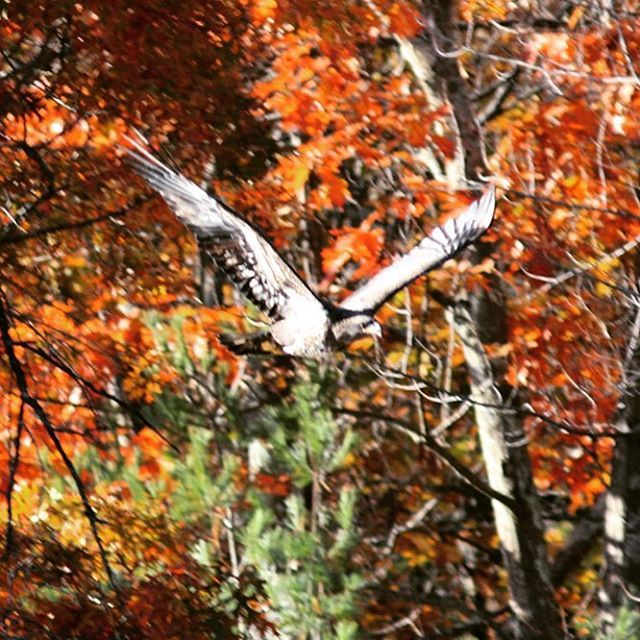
<point>247,258</point>
<point>440,245</point>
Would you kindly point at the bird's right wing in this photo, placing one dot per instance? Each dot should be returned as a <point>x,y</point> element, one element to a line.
<point>247,258</point>
<point>440,245</point>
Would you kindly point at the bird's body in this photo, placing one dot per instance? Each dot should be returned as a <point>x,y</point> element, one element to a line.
<point>304,328</point>
<point>303,324</point>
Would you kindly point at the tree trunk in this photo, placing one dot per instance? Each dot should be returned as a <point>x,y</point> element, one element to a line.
<point>508,468</point>
<point>621,580</point>
<point>502,439</point>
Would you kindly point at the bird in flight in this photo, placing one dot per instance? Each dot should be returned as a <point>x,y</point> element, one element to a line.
<point>302,323</point>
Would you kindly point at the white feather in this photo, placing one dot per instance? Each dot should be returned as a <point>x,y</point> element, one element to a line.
<point>440,245</point>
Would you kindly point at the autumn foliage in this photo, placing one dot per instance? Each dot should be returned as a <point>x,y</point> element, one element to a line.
<point>155,485</point>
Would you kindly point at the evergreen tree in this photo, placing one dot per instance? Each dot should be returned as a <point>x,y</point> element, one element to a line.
<point>301,545</point>
<point>277,501</point>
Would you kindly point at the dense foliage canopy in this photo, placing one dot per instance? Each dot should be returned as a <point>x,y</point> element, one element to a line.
<point>475,474</point>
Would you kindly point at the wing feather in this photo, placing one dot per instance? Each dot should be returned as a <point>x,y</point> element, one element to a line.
<point>247,258</point>
<point>440,245</point>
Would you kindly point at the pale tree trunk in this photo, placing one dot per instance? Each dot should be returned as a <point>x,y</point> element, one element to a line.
<point>621,580</point>
<point>518,518</point>
<point>508,469</point>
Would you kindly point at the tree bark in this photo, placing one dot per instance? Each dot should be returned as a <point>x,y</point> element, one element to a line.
<point>621,579</point>
<point>440,40</point>
<point>508,468</point>
<point>502,439</point>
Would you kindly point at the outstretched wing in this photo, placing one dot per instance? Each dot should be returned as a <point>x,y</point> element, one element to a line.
<point>440,245</point>
<point>247,258</point>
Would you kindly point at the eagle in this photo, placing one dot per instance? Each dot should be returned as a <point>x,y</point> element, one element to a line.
<point>303,324</point>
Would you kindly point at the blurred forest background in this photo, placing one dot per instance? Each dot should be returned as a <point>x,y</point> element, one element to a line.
<point>477,477</point>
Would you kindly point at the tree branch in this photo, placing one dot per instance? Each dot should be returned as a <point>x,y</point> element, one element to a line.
<point>23,386</point>
<point>13,469</point>
<point>79,224</point>
<point>438,449</point>
<point>57,362</point>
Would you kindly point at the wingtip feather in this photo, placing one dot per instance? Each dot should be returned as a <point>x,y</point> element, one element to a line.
<point>141,157</point>
<point>474,220</point>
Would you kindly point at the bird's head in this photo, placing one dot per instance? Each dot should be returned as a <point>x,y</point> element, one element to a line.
<point>356,326</point>
<point>372,328</point>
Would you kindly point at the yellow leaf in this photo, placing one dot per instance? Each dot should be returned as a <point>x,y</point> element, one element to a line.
<point>575,16</point>
<point>557,218</point>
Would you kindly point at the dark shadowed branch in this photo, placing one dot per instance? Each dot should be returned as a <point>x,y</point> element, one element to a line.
<point>23,386</point>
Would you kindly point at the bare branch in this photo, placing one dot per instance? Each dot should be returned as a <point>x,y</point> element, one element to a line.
<point>78,224</point>
<point>22,384</point>
<point>442,452</point>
